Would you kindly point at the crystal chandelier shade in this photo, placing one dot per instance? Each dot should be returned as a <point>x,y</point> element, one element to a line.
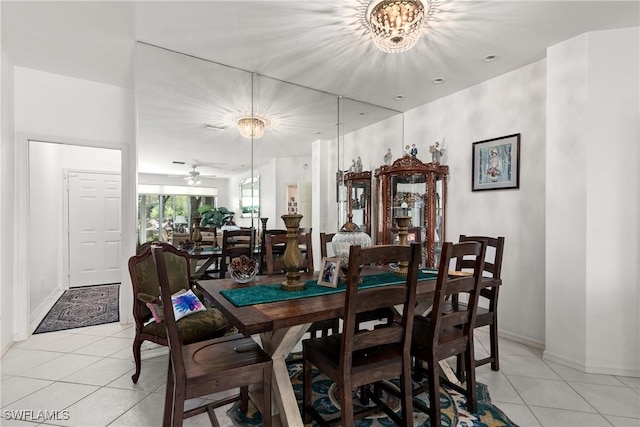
<point>395,25</point>
<point>251,127</point>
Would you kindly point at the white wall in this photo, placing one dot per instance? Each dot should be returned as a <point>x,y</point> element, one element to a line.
<point>67,110</point>
<point>592,220</point>
<point>7,173</point>
<point>47,164</point>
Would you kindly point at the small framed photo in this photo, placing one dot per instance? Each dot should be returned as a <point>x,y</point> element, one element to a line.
<point>496,163</point>
<point>329,272</point>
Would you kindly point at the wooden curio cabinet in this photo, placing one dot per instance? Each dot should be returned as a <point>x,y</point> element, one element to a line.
<point>359,198</point>
<point>416,189</point>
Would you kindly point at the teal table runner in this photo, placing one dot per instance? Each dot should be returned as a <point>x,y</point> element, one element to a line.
<point>265,293</point>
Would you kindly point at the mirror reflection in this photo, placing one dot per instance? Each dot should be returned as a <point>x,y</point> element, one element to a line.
<point>298,145</point>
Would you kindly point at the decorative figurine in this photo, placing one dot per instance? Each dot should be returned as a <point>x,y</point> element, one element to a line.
<point>436,152</point>
<point>352,168</point>
<point>407,150</point>
<point>359,165</point>
<point>387,157</point>
<point>414,150</point>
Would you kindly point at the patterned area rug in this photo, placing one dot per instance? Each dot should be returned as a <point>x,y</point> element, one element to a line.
<point>80,307</point>
<point>454,412</point>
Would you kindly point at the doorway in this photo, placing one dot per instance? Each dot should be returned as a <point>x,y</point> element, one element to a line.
<point>48,248</point>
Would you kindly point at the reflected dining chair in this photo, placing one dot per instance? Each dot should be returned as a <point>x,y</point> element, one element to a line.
<point>325,240</point>
<point>234,244</point>
<point>207,367</point>
<point>355,358</point>
<point>274,246</point>
<point>144,280</point>
<point>263,247</point>
<point>441,334</point>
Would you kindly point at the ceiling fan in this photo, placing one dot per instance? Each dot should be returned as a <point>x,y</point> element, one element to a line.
<point>194,176</point>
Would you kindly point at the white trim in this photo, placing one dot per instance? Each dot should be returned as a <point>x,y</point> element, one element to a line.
<point>177,189</point>
<point>44,308</point>
<point>522,340</point>
<point>591,369</point>
<point>21,237</point>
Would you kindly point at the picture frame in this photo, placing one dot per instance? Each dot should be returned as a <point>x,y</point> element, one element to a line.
<point>496,163</point>
<point>329,272</point>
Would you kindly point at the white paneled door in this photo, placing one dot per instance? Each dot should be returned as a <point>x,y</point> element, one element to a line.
<point>94,228</point>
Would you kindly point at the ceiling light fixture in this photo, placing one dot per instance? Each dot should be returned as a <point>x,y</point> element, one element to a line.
<point>396,25</point>
<point>251,127</point>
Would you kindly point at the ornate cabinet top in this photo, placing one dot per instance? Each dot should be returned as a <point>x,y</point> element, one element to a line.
<point>409,163</point>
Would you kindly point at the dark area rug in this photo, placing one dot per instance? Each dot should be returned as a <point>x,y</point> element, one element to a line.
<point>454,411</point>
<point>80,307</point>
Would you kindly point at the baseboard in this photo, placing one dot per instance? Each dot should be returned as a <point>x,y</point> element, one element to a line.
<point>522,340</point>
<point>44,308</point>
<point>6,346</point>
<point>591,369</point>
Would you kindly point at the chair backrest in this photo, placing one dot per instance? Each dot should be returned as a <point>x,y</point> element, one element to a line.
<point>325,239</point>
<point>272,232</point>
<point>492,264</point>
<point>274,247</point>
<point>359,300</point>
<point>449,285</point>
<point>165,284</point>
<point>234,244</point>
<point>144,275</point>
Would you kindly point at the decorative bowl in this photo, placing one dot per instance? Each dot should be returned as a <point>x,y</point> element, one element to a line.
<point>243,277</point>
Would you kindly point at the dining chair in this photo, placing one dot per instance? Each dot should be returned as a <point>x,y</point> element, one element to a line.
<point>275,245</point>
<point>207,367</point>
<point>234,244</point>
<point>487,314</point>
<point>325,239</point>
<point>441,334</point>
<point>355,358</point>
<point>144,280</point>
<point>263,247</point>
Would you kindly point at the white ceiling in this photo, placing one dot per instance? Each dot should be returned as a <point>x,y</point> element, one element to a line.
<point>315,44</point>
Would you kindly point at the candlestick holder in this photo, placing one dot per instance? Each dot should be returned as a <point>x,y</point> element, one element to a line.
<point>292,255</point>
<point>403,229</point>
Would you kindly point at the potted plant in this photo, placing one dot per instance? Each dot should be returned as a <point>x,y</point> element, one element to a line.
<point>214,217</point>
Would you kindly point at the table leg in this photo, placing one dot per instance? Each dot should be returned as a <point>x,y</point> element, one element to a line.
<point>278,344</point>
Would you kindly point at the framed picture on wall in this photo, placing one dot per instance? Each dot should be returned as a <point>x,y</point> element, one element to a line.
<point>329,272</point>
<point>496,163</point>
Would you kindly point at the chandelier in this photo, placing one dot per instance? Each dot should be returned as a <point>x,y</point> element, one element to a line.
<point>395,25</point>
<point>251,127</point>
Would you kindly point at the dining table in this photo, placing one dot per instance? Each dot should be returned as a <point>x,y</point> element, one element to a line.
<point>281,323</point>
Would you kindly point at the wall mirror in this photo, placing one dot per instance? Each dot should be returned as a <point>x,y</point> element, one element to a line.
<point>189,143</point>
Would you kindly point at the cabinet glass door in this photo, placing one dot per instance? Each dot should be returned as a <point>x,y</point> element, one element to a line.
<point>359,204</point>
<point>409,195</point>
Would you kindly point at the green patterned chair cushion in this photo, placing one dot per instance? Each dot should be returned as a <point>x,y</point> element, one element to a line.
<point>196,327</point>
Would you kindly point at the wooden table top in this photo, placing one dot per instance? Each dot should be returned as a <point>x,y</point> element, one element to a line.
<point>282,314</point>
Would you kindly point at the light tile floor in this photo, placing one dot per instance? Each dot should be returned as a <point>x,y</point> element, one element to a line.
<point>87,373</point>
